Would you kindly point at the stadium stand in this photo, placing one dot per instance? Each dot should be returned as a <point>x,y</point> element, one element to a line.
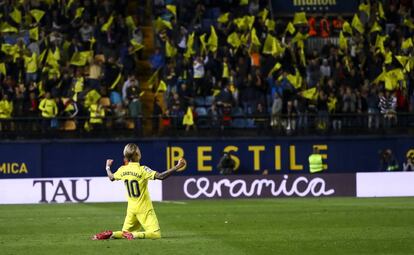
<point>146,67</point>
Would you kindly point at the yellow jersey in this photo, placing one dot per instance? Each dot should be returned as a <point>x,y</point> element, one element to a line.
<point>136,179</point>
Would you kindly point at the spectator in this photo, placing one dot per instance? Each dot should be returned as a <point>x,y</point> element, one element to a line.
<point>388,105</point>
<point>388,162</point>
<point>276,111</point>
<point>226,164</point>
<point>49,110</point>
<point>130,82</point>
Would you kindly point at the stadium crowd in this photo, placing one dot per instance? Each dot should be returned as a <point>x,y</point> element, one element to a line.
<point>234,59</point>
<point>215,61</point>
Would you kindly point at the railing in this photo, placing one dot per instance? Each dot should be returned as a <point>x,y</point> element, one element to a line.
<point>266,125</point>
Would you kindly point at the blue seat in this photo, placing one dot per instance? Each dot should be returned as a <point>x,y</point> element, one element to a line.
<point>250,123</point>
<point>202,114</point>
<point>201,111</point>
<point>238,123</point>
<point>237,111</point>
<point>200,101</point>
<point>209,100</point>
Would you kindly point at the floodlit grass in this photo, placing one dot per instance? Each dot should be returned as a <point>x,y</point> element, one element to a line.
<point>269,226</point>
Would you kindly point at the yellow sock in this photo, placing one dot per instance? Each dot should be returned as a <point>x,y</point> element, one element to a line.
<point>147,235</point>
<point>117,235</point>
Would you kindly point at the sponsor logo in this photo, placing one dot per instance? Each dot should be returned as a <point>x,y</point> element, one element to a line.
<point>67,192</point>
<point>13,168</point>
<point>301,186</point>
<point>253,186</point>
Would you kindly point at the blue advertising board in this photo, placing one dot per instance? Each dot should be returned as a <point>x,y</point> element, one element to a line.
<point>252,156</point>
<point>319,6</point>
<point>20,160</point>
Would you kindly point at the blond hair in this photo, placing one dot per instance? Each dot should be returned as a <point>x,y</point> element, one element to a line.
<point>129,151</point>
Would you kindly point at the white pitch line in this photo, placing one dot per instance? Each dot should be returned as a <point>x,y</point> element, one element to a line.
<point>174,202</point>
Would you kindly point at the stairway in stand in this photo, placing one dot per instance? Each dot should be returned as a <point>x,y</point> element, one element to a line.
<point>144,71</point>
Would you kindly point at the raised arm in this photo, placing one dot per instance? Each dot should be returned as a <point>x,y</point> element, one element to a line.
<point>108,169</point>
<point>161,176</point>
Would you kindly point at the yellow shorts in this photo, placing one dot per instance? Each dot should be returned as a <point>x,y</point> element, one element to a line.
<point>147,220</point>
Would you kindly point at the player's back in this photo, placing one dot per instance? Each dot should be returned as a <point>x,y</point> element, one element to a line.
<point>136,178</point>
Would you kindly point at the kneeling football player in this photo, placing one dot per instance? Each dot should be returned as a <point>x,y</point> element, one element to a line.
<point>140,221</point>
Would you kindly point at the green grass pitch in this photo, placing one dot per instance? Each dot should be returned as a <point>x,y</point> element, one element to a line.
<point>268,226</point>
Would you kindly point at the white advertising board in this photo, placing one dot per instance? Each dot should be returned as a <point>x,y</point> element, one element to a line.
<point>61,190</point>
<point>388,184</point>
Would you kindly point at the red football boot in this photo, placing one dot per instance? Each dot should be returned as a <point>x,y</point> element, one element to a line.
<point>103,236</point>
<point>127,235</point>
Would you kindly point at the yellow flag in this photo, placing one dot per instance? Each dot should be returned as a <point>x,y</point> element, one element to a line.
<point>136,46</point>
<point>300,18</point>
<point>268,45</point>
<point>346,27</point>
<point>81,58</point>
<point>244,2</point>
<point>376,28</point>
<point>270,24</point>
<point>172,9</point>
<point>299,38</point>
<point>37,14</point>
<point>234,40</point>
<point>3,69</point>
<point>16,15</point>
<point>409,23</point>
<point>404,61</point>
<point>379,43</point>
<point>203,43</point>
<point>381,13</point>
<point>290,28</point>
<point>188,119</point>
<point>302,56</point>
<point>272,46</point>
<point>343,43</point>
<point>129,21</point>
<point>253,37</point>
<point>170,50</point>
<point>162,87</point>
<point>311,94</point>
<point>189,50</point>
<point>92,41</point>
<point>79,12</point>
<point>224,18</point>
<point>7,28</point>
<point>212,40</point>
<point>276,67</point>
<point>53,58</point>
<point>295,80</point>
<point>153,78</point>
<point>107,24</point>
<point>263,14</point>
<point>357,24</point>
<point>69,3</point>
<point>365,8</point>
<point>42,55</point>
<point>162,23</point>
<point>407,43</point>
<point>388,58</point>
<point>244,39</point>
<point>249,21</point>
<point>34,33</point>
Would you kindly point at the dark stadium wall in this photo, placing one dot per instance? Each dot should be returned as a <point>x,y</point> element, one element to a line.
<point>252,156</point>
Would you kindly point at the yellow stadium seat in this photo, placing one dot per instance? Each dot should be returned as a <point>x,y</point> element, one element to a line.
<point>130,124</point>
<point>69,125</point>
<point>105,101</point>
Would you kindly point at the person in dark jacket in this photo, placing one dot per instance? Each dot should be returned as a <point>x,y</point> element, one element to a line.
<point>388,162</point>
<point>226,164</point>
